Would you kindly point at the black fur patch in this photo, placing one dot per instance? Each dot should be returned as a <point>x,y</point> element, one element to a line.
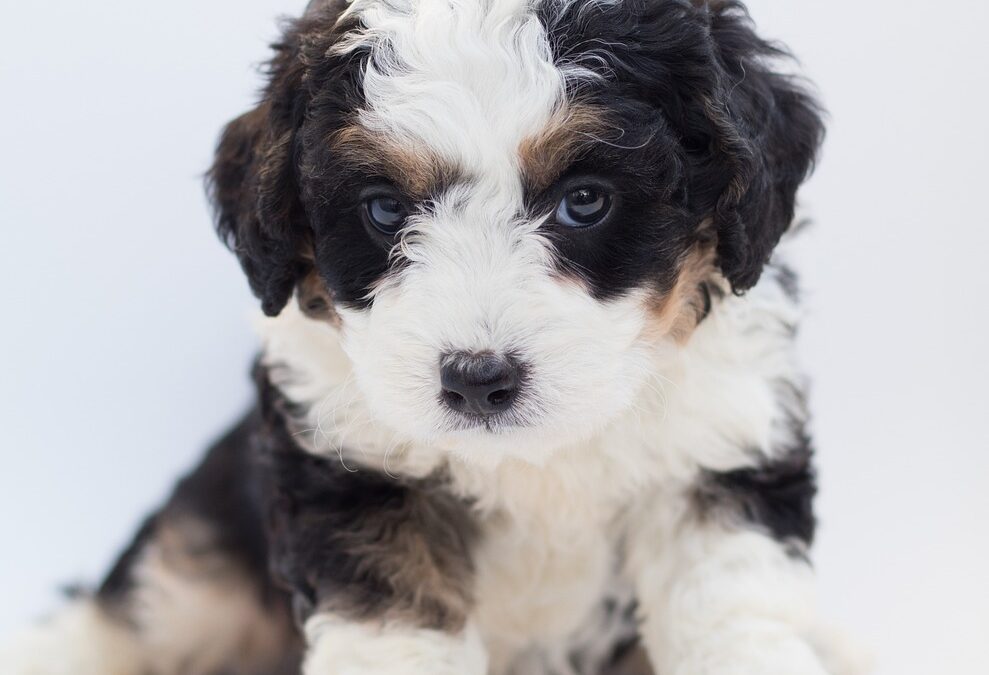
<point>777,496</point>
<point>360,544</point>
<point>707,134</point>
<point>261,183</point>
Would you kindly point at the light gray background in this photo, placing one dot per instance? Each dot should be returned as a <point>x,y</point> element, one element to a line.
<point>125,340</point>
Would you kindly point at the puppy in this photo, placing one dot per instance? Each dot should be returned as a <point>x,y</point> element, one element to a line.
<point>527,402</point>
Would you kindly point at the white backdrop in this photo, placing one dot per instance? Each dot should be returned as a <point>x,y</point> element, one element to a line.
<point>125,341</point>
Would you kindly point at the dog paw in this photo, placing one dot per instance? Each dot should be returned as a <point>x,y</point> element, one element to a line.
<point>341,648</point>
<point>780,657</point>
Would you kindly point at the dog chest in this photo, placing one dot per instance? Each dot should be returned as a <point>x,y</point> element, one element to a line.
<point>549,595</point>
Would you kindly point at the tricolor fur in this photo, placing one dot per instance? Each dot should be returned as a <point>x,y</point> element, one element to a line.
<point>641,502</point>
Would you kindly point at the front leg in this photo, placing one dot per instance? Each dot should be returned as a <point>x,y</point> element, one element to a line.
<point>722,578</point>
<point>341,646</point>
<point>379,568</point>
<point>734,603</point>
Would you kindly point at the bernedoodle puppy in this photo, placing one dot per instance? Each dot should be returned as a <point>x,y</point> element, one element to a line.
<point>527,401</point>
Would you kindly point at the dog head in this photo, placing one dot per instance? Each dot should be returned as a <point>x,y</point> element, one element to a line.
<point>503,205</point>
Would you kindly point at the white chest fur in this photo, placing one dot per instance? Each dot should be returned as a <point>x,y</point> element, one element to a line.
<point>549,566</point>
<point>536,588</point>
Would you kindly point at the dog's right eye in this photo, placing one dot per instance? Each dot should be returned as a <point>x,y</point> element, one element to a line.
<point>385,214</point>
<point>583,207</point>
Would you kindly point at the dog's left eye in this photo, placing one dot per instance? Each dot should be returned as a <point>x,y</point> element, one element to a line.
<point>583,207</point>
<point>386,214</point>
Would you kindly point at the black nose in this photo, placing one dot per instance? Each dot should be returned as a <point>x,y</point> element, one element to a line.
<point>483,384</point>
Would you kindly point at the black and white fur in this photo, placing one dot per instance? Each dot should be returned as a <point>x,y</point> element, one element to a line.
<point>645,505</point>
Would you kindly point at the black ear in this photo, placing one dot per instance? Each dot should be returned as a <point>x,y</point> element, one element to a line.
<point>765,133</point>
<point>254,188</point>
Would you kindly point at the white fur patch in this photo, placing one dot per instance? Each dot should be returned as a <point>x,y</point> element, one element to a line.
<point>341,648</point>
<point>718,601</point>
<point>468,80</point>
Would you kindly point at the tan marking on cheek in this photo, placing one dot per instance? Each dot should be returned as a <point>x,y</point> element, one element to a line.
<point>415,170</point>
<point>545,156</point>
<point>315,300</point>
<point>677,312</point>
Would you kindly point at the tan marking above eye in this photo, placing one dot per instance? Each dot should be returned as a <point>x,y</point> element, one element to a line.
<point>416,171</point>
<point>544,157</point>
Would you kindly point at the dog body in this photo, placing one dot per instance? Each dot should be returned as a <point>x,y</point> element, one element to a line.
<point>534,408</point>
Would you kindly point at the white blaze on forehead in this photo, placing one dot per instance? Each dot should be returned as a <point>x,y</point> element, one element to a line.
<point>467,79</point>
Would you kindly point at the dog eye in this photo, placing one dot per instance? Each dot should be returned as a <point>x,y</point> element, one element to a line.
<point>583,207</point>
<point>386,214</point>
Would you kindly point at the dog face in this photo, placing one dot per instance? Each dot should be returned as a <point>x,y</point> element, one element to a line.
<point>503,206</point>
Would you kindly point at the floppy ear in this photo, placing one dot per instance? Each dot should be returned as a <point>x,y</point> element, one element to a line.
<point>766,131</point>
<point>254,188</point>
